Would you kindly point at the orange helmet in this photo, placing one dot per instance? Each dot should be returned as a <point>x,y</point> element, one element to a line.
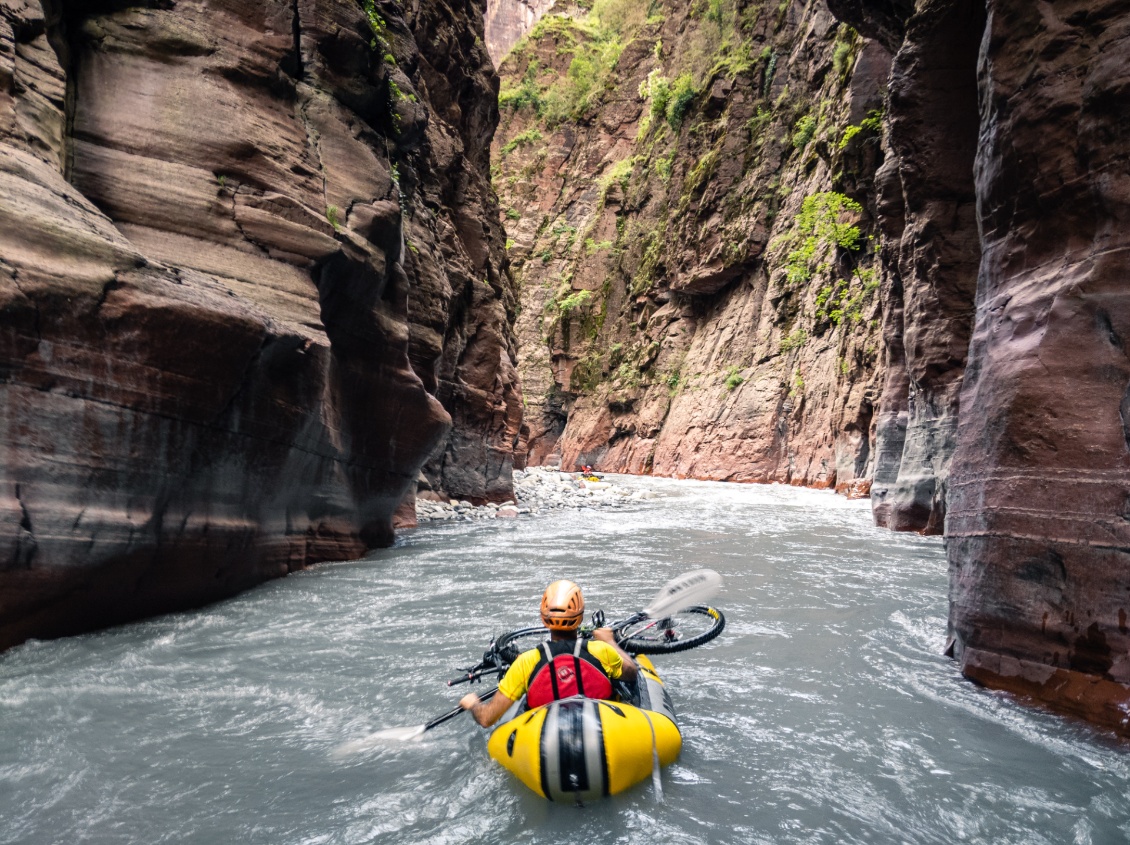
<point>562,606</point>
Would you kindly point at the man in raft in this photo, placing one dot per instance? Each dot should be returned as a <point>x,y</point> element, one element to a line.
<point>564,666</point>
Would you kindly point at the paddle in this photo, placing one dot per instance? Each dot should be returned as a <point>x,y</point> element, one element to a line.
<point>401,734</point>
<point>679,593</point>
<point>685,590</point>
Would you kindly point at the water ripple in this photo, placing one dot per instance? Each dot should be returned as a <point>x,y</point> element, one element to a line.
<point>825,712</point>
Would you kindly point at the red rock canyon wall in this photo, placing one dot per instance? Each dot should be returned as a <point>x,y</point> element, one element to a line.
<point>657,166</point>
<point>244,246</point>
<point>1039,480</point>
<point>982,389</point>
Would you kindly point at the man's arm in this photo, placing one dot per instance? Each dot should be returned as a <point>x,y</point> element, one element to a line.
<point>486,713</point>
<point>628,668</point>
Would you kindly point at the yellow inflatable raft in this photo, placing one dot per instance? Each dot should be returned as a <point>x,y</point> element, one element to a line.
<point>581,749</point>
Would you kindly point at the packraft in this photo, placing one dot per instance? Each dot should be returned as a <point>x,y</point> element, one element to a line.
<point>580,749</point>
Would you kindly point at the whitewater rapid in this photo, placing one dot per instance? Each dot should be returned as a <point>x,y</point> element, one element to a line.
<point>825,713</point>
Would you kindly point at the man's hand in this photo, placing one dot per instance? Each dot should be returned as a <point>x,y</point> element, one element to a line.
<point>486,713</point>
<point>605,635</point>
<point>628,670</point>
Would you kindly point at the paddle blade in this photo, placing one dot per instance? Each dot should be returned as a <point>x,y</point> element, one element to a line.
<point>373,740</point>
<point>688,589</point>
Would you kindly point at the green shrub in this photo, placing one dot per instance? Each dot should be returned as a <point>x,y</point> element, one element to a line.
<point>816,229</point>
<point>794,341</point>
<point>628,374</point>
<point>840,57</point>
<point>770,69</point>
<point>683,94</point>
<point>574,301</point>
<point>798,386</point>
<point>525,93</point>
<point>735,60</point>
<point>530,136</point>
<point>595,43</point>
<point>803,131</point>
<point>658,89</point>
<point>733,379</point>
<point>756,124</point>
<point>872,124</point>
<point>849,133</point>
<point>715,12</point>
<point>378,27</point>
<point>620,173</point>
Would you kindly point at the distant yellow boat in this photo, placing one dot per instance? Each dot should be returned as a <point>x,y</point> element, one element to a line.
<point>581,749</point>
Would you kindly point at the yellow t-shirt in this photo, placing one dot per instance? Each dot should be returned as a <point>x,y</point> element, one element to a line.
<point>517,678</point>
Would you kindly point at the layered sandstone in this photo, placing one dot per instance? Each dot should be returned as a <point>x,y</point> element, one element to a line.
<point>931,256</point>
<point>656,219</point>
<point>1039,480</point>
<point>241,247</point>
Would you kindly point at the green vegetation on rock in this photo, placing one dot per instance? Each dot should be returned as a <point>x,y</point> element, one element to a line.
<point>593,41</point>
<point>817,228</point>
<point>795,340</point>
<point>378,27</point>
<point>872,125</point>
<point>803,131</point>
<point>733,379</point>
<point>698,151</point>
<point>522,139</point>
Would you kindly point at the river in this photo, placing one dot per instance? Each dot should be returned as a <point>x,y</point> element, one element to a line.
<point>825,713</point>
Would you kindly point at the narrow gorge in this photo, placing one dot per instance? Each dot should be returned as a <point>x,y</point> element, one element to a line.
<point>864,245</point>
<point>271,271</point>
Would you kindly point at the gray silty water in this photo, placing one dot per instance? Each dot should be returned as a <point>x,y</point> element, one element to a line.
<point>825,712</point>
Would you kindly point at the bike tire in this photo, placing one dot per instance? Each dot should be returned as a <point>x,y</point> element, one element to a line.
<point>510,645</point>
<point>668,640</point>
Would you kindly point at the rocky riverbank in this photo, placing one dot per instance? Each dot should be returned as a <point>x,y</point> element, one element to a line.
<point>537,490</point>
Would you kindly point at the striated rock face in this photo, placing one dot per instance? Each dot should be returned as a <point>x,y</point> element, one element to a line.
<point>690,199</point>
<point>241,246</point>
<point>508,20</point>
<point>1037,527</point>
<point>931,257</point>
<point>675,319</point>
<point>1036,506</point>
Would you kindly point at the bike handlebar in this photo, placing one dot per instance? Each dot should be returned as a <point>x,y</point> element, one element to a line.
<point>492,664</point>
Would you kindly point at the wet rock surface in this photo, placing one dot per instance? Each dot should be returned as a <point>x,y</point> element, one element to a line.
<point>243,249</point>
<point>1032,422</point>
<point>931,257</point>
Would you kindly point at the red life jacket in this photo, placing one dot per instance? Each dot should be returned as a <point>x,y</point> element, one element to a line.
<point>566,669</point>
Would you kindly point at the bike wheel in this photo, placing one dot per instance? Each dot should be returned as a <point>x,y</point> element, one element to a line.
<point>688,628</point>
<point>510,645</point>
